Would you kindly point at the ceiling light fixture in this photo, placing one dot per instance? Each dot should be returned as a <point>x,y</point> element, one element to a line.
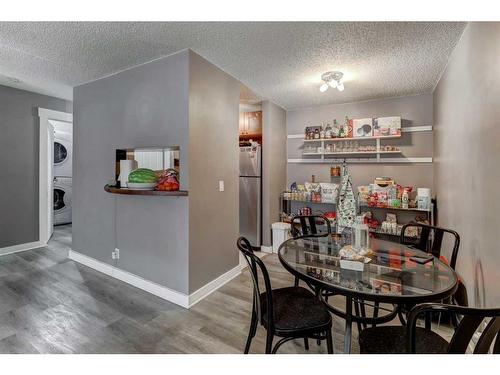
<point>333,80</point>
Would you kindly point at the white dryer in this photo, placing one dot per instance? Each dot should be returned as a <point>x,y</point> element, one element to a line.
<point>63,152</point>
<point>62,200</point>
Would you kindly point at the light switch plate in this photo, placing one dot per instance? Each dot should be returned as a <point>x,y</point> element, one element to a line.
<point>221,185</point>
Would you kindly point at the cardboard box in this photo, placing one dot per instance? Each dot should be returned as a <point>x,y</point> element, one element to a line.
<point>362,127</point>
<point>385,126</point>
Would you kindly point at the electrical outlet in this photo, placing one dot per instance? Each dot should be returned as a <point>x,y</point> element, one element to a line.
<point>115,254</point>
<point>221,185</point>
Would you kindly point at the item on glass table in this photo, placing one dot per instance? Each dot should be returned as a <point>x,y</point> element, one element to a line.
<point>307,133</point>
<point>385,286</point>
<point>360,236</point>
<point>329,192</point>
<point>362,127</point>
<point>168,181</point>
<point>316,134</point>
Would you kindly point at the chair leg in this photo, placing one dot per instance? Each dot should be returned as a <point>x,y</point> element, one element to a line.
<point>356,311</point>
<point>269,342</point>
<point>375,312</point>
<point>251,332</point>
<point>306,343</point>
<point>329,341</point>
<point>296,283</point>
<point>428,319</point>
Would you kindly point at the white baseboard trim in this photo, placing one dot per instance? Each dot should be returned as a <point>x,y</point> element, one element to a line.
<point>158,290</point>
<point>21,247</point>
<point>266,249</point>
<point>213,285</point>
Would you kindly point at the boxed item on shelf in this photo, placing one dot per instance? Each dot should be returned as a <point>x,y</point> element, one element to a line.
<point>362,127</point>
<point>329,192</point>
<point>385,126</point>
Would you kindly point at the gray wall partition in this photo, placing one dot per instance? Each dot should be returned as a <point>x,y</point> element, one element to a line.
<point>182,243</point>
<point>273,165</point>
<point>140,107</point>
<point>467,157</point>
<point>213,156</point>
<point>414,110</point>
<point>19,147</point>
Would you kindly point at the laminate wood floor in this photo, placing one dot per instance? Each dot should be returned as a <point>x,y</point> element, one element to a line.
<point>50,304</point>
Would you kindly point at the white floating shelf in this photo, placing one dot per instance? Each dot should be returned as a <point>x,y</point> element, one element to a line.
<point>407,129</point>
<point>362,160</point>
<point>361,152</point>
<point>351,138</point>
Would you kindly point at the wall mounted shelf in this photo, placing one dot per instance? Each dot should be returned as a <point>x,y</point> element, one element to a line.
<point>360,157</point>
<point>115,190</point>
<point>362,160</point>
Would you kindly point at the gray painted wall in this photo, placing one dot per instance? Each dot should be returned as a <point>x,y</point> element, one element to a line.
<point>273,165</point>
<point>414,110</point>
<point>141,107</point>
<point>467,155</point>
<point>19,147</point>
<point>213,154</point>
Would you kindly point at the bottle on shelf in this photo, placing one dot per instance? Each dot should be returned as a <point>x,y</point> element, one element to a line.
<point>322,131</point>
<point>328,131</point>
<point>316,134</point>
<point>405,199</point>
<point>348,127</point>
<point>341,131</point>
<point>335,129</point>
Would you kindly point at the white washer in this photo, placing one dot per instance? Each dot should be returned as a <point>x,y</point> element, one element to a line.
<point>63,153</point>
<point>62,200</point>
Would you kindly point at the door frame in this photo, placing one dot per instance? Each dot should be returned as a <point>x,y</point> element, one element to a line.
<point>44,185</point>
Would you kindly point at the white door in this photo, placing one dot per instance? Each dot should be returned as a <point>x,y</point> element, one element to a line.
<point>50,180</point>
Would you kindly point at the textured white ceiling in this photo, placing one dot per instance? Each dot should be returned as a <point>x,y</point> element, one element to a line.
<point>282,62</point>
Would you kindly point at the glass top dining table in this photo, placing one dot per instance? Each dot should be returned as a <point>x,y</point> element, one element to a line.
<point>391,276</point>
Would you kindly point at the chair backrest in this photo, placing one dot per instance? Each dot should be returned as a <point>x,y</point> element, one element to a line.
<point>309,226</point>
<point>472,319</point>
<point>433,246</point>
<point>255,265</point>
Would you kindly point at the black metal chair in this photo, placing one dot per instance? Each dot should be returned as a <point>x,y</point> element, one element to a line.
<point>413,339</point>
<point>289,313</point>
<point>307,226</point>
<point>431,244</point>
<point>430,240</point>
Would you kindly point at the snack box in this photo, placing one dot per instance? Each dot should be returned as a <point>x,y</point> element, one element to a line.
<point>385,126</point>
<point>362,127</point>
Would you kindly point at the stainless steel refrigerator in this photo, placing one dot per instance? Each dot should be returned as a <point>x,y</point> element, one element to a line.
<point>251,193</point>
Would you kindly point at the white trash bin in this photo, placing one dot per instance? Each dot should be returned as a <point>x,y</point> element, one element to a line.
<point>281,233</point>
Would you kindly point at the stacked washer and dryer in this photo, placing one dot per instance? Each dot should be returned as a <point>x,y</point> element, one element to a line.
<point>63,171</point>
